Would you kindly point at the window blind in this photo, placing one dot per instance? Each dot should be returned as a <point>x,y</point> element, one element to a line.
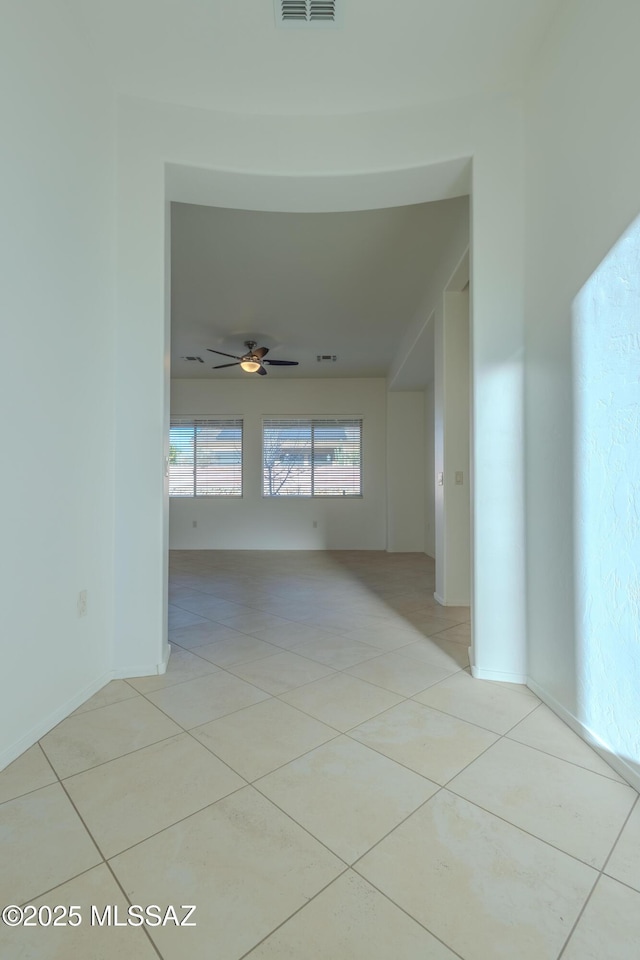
<point>309,457</point>
<point>205,457</point>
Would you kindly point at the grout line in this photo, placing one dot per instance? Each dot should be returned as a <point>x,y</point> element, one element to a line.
<point>127,753</point>
<point>42,786</point>
<point>448,786</point>
<point>400,824</point>
<point>106,863</point>
<point>128,899</point>
<point>295,912</point>
<point>187,816</point>
<point>406,912</point>
<point>28,793</point>
<point>579,917</point>
<point>46,893</point>
<point>454,716</point>
<point>280,766</point>
<point>306,830</point>
<point>635,804</point>
<point>573,763</point>
<point>355,575</point>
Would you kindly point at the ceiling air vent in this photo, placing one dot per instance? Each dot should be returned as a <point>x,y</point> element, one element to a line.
<point>306,13</point>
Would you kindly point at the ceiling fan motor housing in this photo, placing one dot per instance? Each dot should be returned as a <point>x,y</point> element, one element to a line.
<point>253,361</point>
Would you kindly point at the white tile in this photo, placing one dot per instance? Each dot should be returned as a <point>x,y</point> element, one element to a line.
<point>94,737</point>
<point>350,920</point>
<point>179,618</point>
<point>430,742</point>
<point>237,649</point>
<point>624,863</point>
<point>281,672</point>
<point>129,799</point>
<point>429,626</point>
<point>485,888</point>
<point>28,772</point>
<point>182,666</point>
<point>494,706</point>
<point>337,650</point>
<point>385,636</point>
<point>453,614</point>
<point>97,888</point>
<point>42,844</point>
<point>445,653</point>
<point>178,592</point>
<point>297,611</point>
<point>609,927</point>
<point>260,738</point>
<point>244,863</point>
<point>208,631</point>
<point>254,622</point>
<point>576,810</point>
<point>292,635</point>
<point>399,674</point>
<point>460,633</point>
<point>346,795</point>
<point>210,607</point>
<point>340,700</point>
<point>112,692</point>
<point>545,731</point>
<point>199,701</point>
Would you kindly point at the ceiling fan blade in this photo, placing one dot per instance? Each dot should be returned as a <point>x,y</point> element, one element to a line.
<point>262,372</point>
<point>222,365</point>
<point>232,355</point>
<point>261,352</point>
<point>282,363</point>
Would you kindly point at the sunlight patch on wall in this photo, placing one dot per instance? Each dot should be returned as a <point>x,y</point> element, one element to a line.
<point>606,337</point>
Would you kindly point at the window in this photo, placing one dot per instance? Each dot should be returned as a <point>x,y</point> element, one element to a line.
<point>312,458</point>
<point>205,457</point>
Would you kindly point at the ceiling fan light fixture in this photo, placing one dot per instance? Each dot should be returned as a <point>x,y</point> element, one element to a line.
<point>250,366</point>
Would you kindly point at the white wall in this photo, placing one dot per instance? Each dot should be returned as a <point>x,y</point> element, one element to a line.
<point>451,452</point>
<point>582,191</point>
<point>406,472</point>
<point>258,523</point>
<point>57,233</point>
<point>430,472</point>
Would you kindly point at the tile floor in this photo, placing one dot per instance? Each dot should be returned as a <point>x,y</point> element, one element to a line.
<point>319,774</point>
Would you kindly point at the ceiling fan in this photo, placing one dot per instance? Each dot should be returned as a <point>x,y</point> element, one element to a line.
<point>253,360</point>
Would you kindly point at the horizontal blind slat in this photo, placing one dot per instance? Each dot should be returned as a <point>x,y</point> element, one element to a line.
<point>312,457</point>
<point>205,456</point>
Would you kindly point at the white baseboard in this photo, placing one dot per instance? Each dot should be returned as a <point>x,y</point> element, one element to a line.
<point>450,603</point>
<point>500,675</point>
<point>143,670</point>
<point>61,713</point>
<point>629,771</point>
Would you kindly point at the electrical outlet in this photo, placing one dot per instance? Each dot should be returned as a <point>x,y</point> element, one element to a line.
<point>82,603</point>
<point>459,477</point>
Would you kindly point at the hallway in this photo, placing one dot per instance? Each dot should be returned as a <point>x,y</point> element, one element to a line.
<point>320,776</point>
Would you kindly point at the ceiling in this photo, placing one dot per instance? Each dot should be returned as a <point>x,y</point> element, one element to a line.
<point>305,284</point>
<point>228,54</point>
<point>302,284</point>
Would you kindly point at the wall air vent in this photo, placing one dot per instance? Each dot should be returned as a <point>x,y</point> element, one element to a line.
<point>307,13</point>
